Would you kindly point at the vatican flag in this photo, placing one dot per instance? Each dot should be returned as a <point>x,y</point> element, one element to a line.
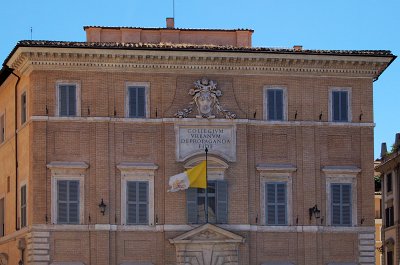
<point>193,178</point>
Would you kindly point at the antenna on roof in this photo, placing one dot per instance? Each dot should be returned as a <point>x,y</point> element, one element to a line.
<point>173,9</point>
<point>31,33</point>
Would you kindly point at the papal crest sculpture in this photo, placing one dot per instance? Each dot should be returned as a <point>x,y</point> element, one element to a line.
<point>205,97</point>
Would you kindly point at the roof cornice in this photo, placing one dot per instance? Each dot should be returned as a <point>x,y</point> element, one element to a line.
<point>232,62</point>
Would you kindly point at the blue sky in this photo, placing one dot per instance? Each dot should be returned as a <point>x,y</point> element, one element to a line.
<point>317,24</point>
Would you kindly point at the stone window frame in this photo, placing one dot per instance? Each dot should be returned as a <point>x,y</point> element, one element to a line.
<point>21,184</point>
<point>137,172</point>
<point>146,85</point>
<point>341,175</point>
<point>77,84</point>
<point>271,173</point>
<point>68,171</point>
<point>285,102</point>
<point>349,103</point>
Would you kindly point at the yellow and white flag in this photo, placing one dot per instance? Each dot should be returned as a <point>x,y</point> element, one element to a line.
<point>194,178</point>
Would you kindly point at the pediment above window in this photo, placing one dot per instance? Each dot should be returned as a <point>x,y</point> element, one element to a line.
<point>337,170</point>
<point>215,167</point>
<point>207,233</point>
<point>276,168</point>
<point>65,167</point>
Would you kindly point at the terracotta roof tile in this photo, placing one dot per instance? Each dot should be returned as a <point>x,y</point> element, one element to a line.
<point>193,47</point>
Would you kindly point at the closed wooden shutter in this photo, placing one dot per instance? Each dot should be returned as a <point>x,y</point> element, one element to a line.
<point>62,202</point>
<point>191,205</point>
<point>275,104</point>
<point>340,106</point>
<point>341,204</point>
<point>67,100</point>
<point>276,203</point>
<point>137,202</point>
<point>23,108</point>
<point>71,101</point>
<point>222,202</point>
<point>346,204</point>
<point>63,100</point>
<point>23,206</point>
<point>137,102</point>
<point>73,201</point>
<point>68,201</point>
<point>343,106</point>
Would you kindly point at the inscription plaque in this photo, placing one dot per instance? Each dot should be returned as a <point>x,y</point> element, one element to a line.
<point>192,140</point>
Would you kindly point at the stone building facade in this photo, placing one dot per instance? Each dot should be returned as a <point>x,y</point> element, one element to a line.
<point>389,169</point>
<point>91,132</point>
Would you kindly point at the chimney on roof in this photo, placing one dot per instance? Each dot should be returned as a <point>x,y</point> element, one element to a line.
<point>383,150</point>
<point>297,48</point>
<point>397,142</point>
<point>170,23</point>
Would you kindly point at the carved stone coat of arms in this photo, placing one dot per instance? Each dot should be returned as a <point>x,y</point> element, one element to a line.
<point>205,98</point>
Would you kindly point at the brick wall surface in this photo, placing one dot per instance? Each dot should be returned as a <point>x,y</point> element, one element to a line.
<point>105,144</point>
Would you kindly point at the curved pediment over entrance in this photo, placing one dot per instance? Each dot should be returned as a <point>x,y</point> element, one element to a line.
<point>216,167</point>
<point>207,245</point>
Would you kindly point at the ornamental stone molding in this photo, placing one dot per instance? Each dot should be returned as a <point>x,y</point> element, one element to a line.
<point>207,245</point>
<point>205,97</point>
<point>26,59</point>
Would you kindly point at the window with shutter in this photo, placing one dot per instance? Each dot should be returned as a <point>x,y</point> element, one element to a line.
<point>276,203</point>
<point>67,97</point>
<point>389,187</point>
<point>68,201</point>
<point>23,108</point>
<point>137,195</point>
<point>340,105</point>
<point>341,204</point>
<point>217,203</point>
<point>275,104</point>
<point>2,129</point>
<point>137,101</point>
<point>23,206</point>
<point>389,216</point>
<point>2,217</point>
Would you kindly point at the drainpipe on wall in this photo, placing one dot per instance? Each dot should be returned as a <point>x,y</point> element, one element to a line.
<point>16,147</point>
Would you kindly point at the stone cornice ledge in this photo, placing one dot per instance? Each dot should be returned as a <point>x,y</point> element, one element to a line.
<point>129,166</point>
<point>284,168</point>
<point>195,121</point>
<point>341,169</point>
<point>49,58</point>
<point>67,165</point>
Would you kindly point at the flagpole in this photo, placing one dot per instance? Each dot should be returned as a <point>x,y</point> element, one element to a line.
<point>206,199</point>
